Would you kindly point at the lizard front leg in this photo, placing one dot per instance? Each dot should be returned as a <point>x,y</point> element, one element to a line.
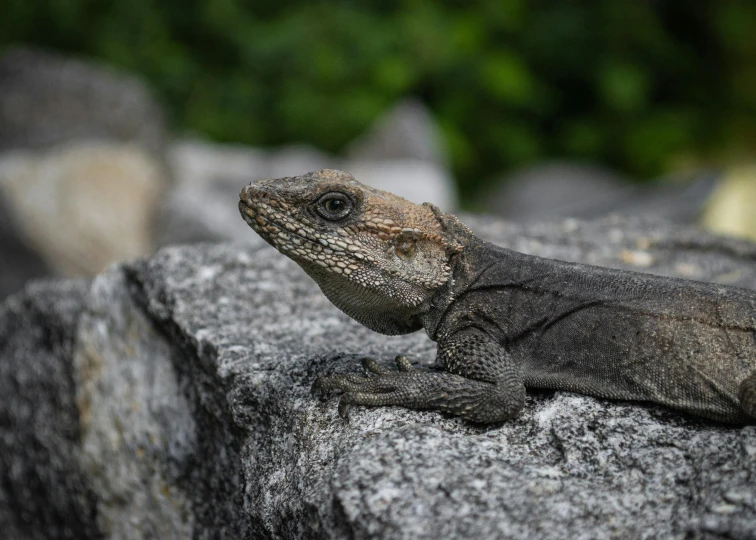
<point>481,382</point>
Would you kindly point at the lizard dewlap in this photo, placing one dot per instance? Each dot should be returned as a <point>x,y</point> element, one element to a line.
<point>503,320</point>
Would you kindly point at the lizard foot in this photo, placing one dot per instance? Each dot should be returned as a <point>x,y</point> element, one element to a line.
<point>473,400</point>
<point>327,385</point>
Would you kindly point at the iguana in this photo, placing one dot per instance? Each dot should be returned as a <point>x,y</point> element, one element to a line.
<point>503,320</point>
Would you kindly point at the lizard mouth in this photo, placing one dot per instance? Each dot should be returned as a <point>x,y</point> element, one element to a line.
<point>269,229</point>
<point>248,214</point>
<point>259,212</point>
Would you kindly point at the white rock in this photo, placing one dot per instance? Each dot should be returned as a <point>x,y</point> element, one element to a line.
<point>85,205</point>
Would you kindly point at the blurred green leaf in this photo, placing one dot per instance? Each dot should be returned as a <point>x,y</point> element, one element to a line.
<point>656,139</point>
<point>623,87</point>
<point>582,138</point>
<point>517,140</point>
<point>394,74</point>
<point>629,84</point>
<point>506,79</point>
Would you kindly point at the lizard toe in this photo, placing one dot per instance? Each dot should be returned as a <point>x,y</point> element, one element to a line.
<point>371,366</point>
<point>403,364</point>
<point>326,385</point>
<point>344,408</point>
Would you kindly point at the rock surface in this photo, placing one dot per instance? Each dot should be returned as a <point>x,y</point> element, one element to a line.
<point>191,372</point>
<point>43,491</point>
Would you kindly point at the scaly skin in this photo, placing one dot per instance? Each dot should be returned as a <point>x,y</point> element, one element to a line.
<point>503,320</point>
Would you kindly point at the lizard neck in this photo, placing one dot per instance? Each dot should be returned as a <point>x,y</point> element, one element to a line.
<point>478,262</point>
<point>465,265</point>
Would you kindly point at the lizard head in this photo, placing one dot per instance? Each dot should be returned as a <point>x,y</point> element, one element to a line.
<point>377,257</point>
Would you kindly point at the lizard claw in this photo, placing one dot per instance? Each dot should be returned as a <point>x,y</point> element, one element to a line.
<point>343,409</point>
<point>403,363</point>
<point>373,387</point>
<point>371,366</point>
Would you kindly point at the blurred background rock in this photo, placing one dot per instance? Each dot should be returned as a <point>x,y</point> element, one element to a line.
<point>129,125</point>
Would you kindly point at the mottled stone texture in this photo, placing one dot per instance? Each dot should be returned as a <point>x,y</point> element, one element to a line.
<point>43,491</point>
<point>191,372</point>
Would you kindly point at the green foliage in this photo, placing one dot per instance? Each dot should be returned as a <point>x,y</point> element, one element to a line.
<point>639,85</point>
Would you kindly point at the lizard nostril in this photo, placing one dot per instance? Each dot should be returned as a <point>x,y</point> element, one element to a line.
<point>249,193</point>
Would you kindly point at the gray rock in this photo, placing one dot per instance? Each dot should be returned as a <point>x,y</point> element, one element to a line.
<point>407,131</point>
<point>403,153</point>
<point>47,99</point>
<point>194,369</point>
<point>80,148</point>
<point>83,206</point>
<point>201,205</point>
<point>554,191</point>
<point>20,261</point>
<point>558,190</point>
<point>139,444</point>
<point>293,159</point>
<point>415,180</point>
<point>43,491</point>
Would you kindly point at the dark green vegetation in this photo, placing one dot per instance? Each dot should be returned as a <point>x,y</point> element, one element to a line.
<point>643,86</point>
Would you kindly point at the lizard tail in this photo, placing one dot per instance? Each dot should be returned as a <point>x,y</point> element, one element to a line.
<point>747,395</point>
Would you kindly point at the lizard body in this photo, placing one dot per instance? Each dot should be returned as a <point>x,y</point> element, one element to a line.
<point>503,320</point>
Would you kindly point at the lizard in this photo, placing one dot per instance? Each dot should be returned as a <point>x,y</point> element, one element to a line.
<point>503,320</point>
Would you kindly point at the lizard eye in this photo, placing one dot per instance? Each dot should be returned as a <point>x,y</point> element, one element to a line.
<point>334,206</point>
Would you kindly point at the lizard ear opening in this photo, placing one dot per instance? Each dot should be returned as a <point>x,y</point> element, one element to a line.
<point>405,244</point>
<point>424,257</point>
<point>410,242</point>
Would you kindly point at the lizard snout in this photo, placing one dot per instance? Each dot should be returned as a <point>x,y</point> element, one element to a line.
<point>255,193</point>
<point>260,190</point>
<point>249,194</point>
